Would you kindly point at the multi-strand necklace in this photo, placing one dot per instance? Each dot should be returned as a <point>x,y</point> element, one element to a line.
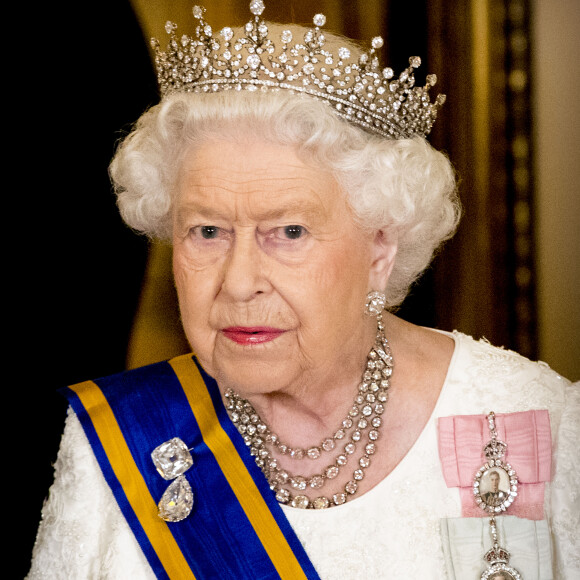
<point>359,430</point>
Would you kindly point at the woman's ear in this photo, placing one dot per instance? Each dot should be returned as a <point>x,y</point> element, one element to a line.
<point>384,250</point>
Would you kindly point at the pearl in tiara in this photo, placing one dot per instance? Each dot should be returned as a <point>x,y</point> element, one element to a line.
<point>267,57</point>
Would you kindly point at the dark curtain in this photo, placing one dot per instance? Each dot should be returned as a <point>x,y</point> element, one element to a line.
<point>78,270</point>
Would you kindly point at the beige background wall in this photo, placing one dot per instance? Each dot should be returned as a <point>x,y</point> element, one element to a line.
<point>556,46</point>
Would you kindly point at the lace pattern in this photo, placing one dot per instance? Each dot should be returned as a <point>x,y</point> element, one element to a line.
<point>565,489</point>
<point>82,533</point>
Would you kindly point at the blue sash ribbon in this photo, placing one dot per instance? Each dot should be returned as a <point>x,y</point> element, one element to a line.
<point>236,530</point>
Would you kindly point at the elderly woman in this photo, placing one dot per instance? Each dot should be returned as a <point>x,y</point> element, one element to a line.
<point>313,434</point>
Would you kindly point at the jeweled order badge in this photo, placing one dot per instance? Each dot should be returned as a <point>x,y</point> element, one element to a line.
<point>495,488</point>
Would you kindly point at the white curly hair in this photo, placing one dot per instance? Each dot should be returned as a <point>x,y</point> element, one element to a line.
<point>403,187</point>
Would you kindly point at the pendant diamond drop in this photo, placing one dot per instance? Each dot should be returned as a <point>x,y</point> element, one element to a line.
<point>177,501</point>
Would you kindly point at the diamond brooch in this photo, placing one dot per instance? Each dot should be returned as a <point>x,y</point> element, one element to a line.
<point>172,459</point>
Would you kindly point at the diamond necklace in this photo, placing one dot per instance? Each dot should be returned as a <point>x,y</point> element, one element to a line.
<point>364,415</point>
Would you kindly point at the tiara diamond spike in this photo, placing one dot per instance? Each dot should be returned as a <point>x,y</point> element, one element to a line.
<point>258,56</point>
<point>257,7</point>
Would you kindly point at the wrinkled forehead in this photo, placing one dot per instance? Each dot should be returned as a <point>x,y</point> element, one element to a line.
<point>263,178</point>
<point>251,155</point>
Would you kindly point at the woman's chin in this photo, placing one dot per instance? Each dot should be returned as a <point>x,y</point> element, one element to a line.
<point>253,378</point>
<point>259,366</point>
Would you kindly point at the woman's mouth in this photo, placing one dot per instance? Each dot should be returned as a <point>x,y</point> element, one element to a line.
<point>252,334</point>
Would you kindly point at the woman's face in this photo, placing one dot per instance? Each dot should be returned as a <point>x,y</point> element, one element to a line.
<point>271,270</point>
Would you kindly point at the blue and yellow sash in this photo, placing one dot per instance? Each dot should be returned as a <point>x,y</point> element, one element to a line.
<point>236,530</point>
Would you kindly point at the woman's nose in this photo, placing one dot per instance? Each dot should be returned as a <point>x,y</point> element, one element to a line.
<point>244,275</point>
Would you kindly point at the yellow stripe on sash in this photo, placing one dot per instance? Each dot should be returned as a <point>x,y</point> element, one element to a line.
<point>235,471</point>
<point>132,481</point>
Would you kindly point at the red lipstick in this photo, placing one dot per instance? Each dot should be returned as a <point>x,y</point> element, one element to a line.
<point>252,334</point>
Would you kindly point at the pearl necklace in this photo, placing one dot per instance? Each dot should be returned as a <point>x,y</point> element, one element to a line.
<point>364,415</point>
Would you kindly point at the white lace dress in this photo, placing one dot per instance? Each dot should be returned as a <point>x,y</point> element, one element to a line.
<point>408,526</point>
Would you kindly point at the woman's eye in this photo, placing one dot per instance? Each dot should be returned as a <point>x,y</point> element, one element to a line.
<point>293,232</point>
<point>206,232</point>
<point>209,232</point>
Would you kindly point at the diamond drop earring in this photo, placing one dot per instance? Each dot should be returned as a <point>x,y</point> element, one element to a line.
<point>375,304</point>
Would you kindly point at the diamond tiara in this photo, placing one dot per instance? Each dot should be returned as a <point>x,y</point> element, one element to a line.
<point>248,58</point>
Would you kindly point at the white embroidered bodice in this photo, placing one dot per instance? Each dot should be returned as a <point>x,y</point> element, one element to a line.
<point>408,526</point>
